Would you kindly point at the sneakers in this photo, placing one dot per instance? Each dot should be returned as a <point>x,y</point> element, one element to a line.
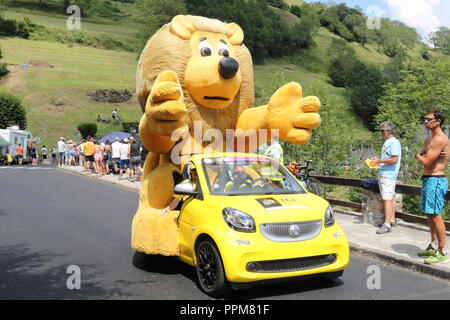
<point>428,252</point>
<point>384,229</point>
<point>438,257</point>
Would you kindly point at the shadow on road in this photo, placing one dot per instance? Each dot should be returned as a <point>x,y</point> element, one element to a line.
<point>171,265</point>
<point>163,265</point>
<point>35,275</point>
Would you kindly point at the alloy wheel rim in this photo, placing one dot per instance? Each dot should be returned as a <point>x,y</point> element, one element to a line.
<point>207,266</point>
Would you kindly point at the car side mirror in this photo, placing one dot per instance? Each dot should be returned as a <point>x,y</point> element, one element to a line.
<point>185,188</point>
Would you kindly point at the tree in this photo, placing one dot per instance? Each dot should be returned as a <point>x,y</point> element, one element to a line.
<point>420,89</point>
<point>150,15</point>
<point>340,66</point>
<point>12,112</point>
<point>441,40</point>
<point>365,89</point>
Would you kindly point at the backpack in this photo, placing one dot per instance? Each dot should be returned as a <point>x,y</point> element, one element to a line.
<point>370,184</point>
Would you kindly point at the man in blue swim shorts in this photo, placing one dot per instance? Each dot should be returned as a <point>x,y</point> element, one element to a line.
<point>434,157</point>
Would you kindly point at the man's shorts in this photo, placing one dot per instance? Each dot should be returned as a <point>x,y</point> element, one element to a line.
<point>115,162</point>
<point>89,158</point>
<point>434,189</point>
<point>387,188</point>
<point>135,161</point>
<point>124,163</point>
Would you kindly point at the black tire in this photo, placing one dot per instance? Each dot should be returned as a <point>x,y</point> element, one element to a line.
<point>316,187</point>
<point>333,275</point>
<point>210,273</point>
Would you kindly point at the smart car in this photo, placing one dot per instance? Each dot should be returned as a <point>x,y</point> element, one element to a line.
<point>245,219</point>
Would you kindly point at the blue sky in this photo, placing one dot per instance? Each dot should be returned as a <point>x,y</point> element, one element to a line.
<point>424,15</point>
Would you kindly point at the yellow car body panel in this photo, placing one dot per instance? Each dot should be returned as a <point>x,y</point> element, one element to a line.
<point>203,217</point>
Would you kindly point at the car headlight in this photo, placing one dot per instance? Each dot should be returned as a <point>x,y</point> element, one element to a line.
<point>238,220</point>
<point>329,217</point>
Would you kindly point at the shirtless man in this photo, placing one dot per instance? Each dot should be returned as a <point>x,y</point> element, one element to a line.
<point>434,157</point>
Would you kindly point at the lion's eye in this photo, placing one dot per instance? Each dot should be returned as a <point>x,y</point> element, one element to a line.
<point>222,50</point>
<point>205,49</point>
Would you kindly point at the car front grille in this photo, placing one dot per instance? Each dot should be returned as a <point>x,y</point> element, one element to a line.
<point>289,265</point>
<point>291,231</point>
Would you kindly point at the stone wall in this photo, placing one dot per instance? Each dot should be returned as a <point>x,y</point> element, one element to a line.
<point>373,209</point>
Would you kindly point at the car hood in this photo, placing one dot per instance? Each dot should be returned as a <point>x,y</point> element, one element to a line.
<point>276,208</point>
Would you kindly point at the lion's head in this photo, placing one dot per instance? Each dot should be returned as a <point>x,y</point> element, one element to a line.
<point>213,66</point>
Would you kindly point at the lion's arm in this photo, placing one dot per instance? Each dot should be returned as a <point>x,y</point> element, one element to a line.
<point>151,141</point>
<point>249,128</point>
<point>253,118</point>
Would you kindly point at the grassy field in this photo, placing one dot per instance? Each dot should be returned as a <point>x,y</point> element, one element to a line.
<point>59,21</point>
<point>77,71</point>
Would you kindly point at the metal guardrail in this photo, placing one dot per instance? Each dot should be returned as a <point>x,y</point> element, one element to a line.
<point>399,188</point>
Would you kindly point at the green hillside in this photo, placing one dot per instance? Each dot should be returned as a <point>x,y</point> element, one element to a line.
<point>56,98</point>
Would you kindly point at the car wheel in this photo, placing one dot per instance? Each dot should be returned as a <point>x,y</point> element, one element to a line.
<point>210,272</point>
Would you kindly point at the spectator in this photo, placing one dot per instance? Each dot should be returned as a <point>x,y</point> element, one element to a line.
<point>135,159</point>
<point>81,152</point>
<point>388,168</point>
<point>9,159</point>
<point>98,158</point>
<point>77,155</point>
<point>19,154</point>
<point>124,158</point>
<point>54,155</point>
<point>3,160</point>
<point>88,148</point>
<point>61,150</point>
<point>115,154</point>
<point>106,154</point>
<point>33,152</point>
<point>434,157</point>
<point>70,153</point>
<point>44,155</point>
<point>272,149</point>
<point>99,118</point>
<point>114,115</point>
<point>144,153</point>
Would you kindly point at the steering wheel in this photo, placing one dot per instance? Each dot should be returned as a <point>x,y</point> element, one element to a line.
<point>252,183</point>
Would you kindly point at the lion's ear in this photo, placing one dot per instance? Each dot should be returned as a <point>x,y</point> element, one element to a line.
<point>182,27</point>
<point>235,34</point>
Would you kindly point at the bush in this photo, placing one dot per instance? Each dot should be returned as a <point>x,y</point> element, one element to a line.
<point>12,111</point>
<point>3,69</point>
<point>87,129</point>
<point>12,28</point>
<point>127,126</point>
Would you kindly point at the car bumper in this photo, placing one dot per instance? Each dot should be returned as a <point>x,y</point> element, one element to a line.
<point>250,257</point>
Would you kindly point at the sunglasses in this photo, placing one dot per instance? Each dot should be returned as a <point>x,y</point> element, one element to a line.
<point>383,130</point>
<point>238,173</point>
<point>428,119</point>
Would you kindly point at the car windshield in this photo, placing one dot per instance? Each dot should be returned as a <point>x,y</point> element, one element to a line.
<point>248,175</point>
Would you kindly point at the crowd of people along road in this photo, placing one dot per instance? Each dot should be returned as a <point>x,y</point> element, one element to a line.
<point>119,157</point>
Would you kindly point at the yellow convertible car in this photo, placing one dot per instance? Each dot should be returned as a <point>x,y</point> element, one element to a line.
<point>245,218</point>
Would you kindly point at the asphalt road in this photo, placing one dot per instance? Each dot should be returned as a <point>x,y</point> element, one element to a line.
<point>53,222</point>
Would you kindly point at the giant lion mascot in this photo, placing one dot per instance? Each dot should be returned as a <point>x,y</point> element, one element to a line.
<point>197,70</point>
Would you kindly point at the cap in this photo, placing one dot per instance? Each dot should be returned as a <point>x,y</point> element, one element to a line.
<point>125,140</point>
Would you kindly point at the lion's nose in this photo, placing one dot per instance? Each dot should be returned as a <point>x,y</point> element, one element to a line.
<point>228,67</point>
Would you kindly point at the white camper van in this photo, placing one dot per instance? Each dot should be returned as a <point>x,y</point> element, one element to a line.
<point>13,135</point>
